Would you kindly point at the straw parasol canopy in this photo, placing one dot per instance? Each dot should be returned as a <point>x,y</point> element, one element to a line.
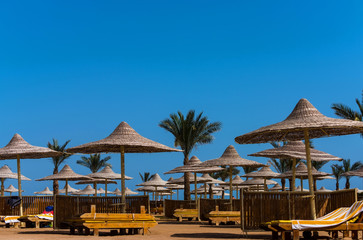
<point>46,191</point>
<point>98,181</point>
<point>127,192</point>
<point>230,157</point>
<point>18,148</point>
<point>123,140</point>
<point>358,172</point>
<point>191,178</point>
<point>88,190</point>
<point>152,189</point>
<point>155,181</point>
<point>194,166</point>
<point>265,173</point>
<point>323,189</point>
<point>67,188</point>
<point>302,172</point>
<point>304,122</point>
<point>258,181</point>
<point>11,189</point>
<point>295,150</point>
<point>276,187</point>
<point>107,173</point>
<point>6,173</point>
<point>66,174</point>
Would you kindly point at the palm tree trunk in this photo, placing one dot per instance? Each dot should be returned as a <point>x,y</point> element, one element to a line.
<point>337,185</point>
<point>315,189</point>
<point>186,181</point>
<point>347,183</point>
<point>55,182</point>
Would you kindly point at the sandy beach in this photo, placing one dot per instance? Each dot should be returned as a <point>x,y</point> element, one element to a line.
<point>164,230</point>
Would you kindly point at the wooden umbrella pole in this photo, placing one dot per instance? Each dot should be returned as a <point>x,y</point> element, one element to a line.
<point>311,182</point>
<point>205,190</point>
<point>301,183</point>
<point>19,185</point>
<point>106,187</point>
<point>66,187</point>
<point>2,187</point>
<point>264,184</point>
<point>95,190</point>
<point>195,189</point>
<point>230,187</point>
<point>123,197</point>
<point>292,188</point>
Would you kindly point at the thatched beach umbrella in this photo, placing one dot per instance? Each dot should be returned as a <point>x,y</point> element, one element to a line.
<point>6,173</point>
<point>358,172</point>
<point>210,182</point>
<point>155,181</point>
<point>236,182</point>
<point>46,191</point>
<point>127,192</point>
<point>66,174</point>
<point>11,189</point>
<point>295,150</point>
<point>122,140</point>
<point>191,178</point>
<point>193,166</point>
<point>88,190</point>
<point>276,187</point>
<point>176,187</point>
<point>258,182</point>
<point>301,172</point>
<point>230,157</point>
<point>18,149</point>
<point>107,173</point>
<point>323,189</point>
<point>304,122</point>
<point>67,188</point>
<point>265,173</point>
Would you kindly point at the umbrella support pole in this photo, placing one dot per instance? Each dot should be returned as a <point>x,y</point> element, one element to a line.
<point>230,188</point>
<point>205,190</point>
<point>2,187</point>
<point>123,196</point>
<point>106,188</point>
<point>19,185</point>
<point>311,182</point>
<point>292,188</point>
<point>195,189</point>
<point>66,187</point>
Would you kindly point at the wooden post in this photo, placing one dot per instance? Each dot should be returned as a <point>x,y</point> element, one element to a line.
<point>106,187</point>
<point>264,184</point>
<point>292,187</point>
<point>205,190</point>
<point>195,189</point>
<point>123,196</point>
<point>19,185</point>
<point>310,177</point>
<point>242,211</point>
<point>66,187</point>
<point>95,185</point>
<point>301,184</point>
<point>230,188</point>
<point>2,187</point>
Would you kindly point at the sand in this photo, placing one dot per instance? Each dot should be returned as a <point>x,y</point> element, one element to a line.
<point>164,230</point>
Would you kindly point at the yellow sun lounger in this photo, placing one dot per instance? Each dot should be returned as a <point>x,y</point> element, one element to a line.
<point>341,219</point>
<point>37,219</point>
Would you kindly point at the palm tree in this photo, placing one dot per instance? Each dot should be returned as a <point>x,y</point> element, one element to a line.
<point>146,177</point>
<point>347,112</point>
<point>94,163</point>
<point>348,167</point>
<point>317,165</point>
<point>57,161</point>
<point>189,132</point>
<point>337,171</point>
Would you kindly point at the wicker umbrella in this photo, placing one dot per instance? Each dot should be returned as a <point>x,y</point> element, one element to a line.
<point>191,178</point>
<point>123,140</point>
<point>295,150</point>
<point>258,182</point>
<point>304,122</point>
<point>88,190</point>
<point>210,182</point>
<point>230,157</point>
<point>11,189</point>
<point>177,187</point>
<point>98,181</point>
<point>193,165</point>
<point>18,148</point>
<point>66,174</point>
<point>358,172</point>
<point>127,192</point>
<point>107,173</point>
<point>265,172</point>
<point>323,189</point>
<point>276,187</point>
<point>67,188</point>
<point>6,173</point>
<point>46,191</point>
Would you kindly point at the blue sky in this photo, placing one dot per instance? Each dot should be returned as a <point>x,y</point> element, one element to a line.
<point>76,70</point>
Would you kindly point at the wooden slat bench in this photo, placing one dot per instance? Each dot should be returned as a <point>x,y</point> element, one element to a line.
<point>32,219</point>
<point>224,216</point>
<point>95,221</point>
<point>186,213</point>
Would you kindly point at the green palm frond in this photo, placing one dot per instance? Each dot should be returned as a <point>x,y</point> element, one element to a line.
<point>94,162</point>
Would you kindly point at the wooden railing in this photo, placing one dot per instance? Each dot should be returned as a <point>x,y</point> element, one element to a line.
<point>259,207</point>
<point>68,206</point>
<point>31,205</point>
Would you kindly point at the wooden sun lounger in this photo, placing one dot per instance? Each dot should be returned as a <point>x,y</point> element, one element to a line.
<point>186,213</point>
<point>285,228</point>
<point>224,216</point>
<point>32,219</point>
<point>14,224</point>
<point>95,221</point>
